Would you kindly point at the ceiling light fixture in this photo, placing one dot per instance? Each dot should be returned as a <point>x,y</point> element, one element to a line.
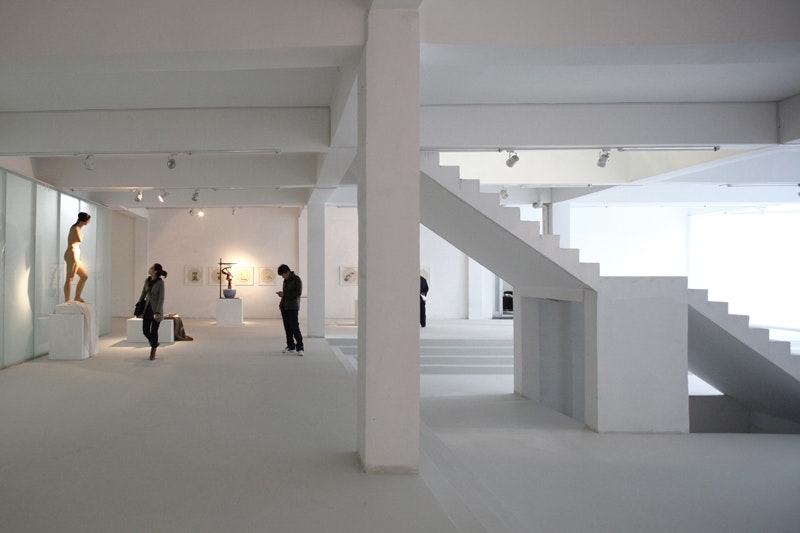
<point>233,211</point>
<point>196,195</point>
<point>504,193</point>
<point>191,212</point>
<point>171,162</point>
<point>201,213</point>
<point>163,195</point>
<point>512,156</point>
<point>602,160</point>
<point>138,196</point>
<point>88,163</point>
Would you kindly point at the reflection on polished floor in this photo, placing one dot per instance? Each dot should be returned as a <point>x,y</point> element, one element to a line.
<point>225,433</point>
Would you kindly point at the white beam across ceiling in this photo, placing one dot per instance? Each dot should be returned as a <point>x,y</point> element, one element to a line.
<point>477,127</point>
<point>195,170</point>
<point>172,130</point>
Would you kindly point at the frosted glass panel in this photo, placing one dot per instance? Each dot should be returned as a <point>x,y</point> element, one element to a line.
<point>19,272</point>
<point>49,292</point>
<point>2,266</point>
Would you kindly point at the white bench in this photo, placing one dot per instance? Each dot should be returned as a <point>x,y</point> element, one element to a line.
<point>166,331</point>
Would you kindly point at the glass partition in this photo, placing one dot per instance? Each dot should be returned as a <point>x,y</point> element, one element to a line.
<point>18,281</point>
<point>34,228</point>
<point>49,267</point>
<point>2,267</point>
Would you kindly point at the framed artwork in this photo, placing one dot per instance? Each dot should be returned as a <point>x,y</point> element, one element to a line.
<point>348,275</point>
<point>267,276</point>
<point>425,272</point>
<point>193,275</point>
<point>243,275</point>
<point>213,276</point>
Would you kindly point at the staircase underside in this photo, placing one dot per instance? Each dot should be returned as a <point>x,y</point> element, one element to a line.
<point>724,357</point>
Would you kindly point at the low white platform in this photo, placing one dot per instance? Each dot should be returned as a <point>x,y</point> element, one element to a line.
<point>230,312</point>
<point>72,332</point>
<point>166,331</point>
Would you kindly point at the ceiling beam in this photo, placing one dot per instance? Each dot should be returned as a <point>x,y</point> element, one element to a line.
<point>165,131</point>
<point>485,127</point>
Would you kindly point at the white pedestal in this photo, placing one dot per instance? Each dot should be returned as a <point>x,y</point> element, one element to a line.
<point>166,331</point>
<point>66,337</point>
<point>73,331</point>
<point>230,312</point>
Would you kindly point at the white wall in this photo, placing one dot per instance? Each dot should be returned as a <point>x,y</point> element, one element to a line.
<point>749,259</point>
<point>631,241</point>
<point>341,250</point>
<point>448,296</point>
<point>123,295</point>
<point>265,237</point>
<point>255,237</point>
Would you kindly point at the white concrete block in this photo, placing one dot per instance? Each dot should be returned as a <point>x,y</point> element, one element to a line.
<point>66,337</point>
<point>230,312</point>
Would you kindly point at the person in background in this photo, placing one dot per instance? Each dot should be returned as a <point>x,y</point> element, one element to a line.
<point>423,295</point>
<point>73,258</point>
<point>290,309</point>
<point>152,295</point>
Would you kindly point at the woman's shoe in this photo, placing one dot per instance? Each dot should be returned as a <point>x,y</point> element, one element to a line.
<point>152,353</point>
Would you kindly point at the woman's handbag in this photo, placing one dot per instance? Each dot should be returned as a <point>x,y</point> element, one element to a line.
<point>138,311</point>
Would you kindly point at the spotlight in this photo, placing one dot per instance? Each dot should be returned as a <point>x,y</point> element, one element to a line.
<point>191,212</point>
<point>163,195</point>
<point>503,193</point>
<point>602,160</point>
<point>196,195</point>
<point>233,211</point>
<point>201,213</point>
<point>138,196</point>
<point>171,161</point>
<point>88,163</point>
<point>512,158</point>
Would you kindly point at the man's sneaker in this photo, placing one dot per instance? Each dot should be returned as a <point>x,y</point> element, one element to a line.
<point>288,350</point>
<point>300,352</point>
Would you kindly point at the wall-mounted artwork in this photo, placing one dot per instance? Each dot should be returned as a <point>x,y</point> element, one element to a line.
<point>267,276</point>
<point>193,275</point>
<point>213,275</point>
<point>348,275</point>
<point>425,272</point>
<point>243,275</point>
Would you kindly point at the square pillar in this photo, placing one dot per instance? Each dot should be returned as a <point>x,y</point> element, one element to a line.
<point>388,222</point>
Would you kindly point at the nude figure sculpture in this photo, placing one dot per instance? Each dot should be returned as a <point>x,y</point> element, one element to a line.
<point>73,258</point>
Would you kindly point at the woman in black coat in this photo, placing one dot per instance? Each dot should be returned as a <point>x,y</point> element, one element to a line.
<point>153,294</point>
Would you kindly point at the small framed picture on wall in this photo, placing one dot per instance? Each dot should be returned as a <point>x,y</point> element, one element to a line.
<point>243,275</point>
<point>193,275</point>
<point>348,275</point>
<point>267,275</point>
<point>213,275</point>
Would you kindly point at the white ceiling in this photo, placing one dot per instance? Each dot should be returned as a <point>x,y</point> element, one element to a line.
<point>48,69</point>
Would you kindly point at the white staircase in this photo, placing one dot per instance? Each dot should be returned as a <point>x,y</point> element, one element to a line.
<point>740,361</point>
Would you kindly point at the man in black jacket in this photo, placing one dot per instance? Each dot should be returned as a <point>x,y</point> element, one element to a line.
<point>290,308</point>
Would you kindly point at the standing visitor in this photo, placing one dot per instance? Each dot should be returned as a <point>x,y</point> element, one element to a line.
<point>153,294</point>
<point>290,309</point>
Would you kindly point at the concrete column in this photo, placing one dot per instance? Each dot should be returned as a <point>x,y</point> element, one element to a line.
<point>316,270</point>
<point>637,356</point>
<point>388,228</point>
<point>481,291</point>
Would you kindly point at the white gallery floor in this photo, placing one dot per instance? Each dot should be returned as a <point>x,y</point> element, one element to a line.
<point>226,434</point>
